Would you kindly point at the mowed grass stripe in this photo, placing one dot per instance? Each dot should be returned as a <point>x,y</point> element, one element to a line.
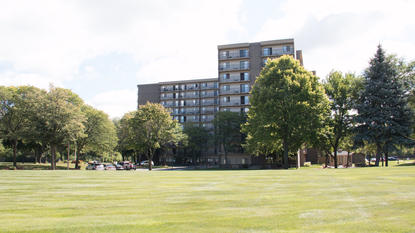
<point>304,200</point>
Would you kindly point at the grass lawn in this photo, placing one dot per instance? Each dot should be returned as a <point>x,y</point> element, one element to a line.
<point>305,200</point>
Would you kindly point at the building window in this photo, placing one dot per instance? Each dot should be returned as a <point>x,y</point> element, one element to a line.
<point>226,87</point>
<point>244,88</point>
<point>244,76</point>
<point>226,76</point>
<point>244,100</point>
<point>267,52</point>
<point>227,99</point>
<point>287,49</point>
<point>244,64</point>
<point>243,53</point>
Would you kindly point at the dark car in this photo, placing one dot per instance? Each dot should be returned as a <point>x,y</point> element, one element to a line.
<point>127,165</point>
<point>392,158</point>
<point>119,167</point>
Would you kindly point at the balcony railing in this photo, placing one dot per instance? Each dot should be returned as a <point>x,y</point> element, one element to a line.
<point>231,91</point>
<point>276,52</point>
<point>207,119</point>
<point>233,103</point>
<point>209,87</point>
<point>209,103</point>
<point>209,95</point>
<point>234,67</point>
<point>234,79</point>
<point>192,88</point>
<point>192,104</point>
<point>190,96</point>
<point>233,55</point>
<point>192,120</point>
<point>208,111</point>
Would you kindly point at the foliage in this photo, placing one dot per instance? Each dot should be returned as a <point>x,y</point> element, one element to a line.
<point>100,134</point>
<point>342,91</point>
<point>228,131</point>
<point>198,140</point>
<point>152,128</point>
<point>384,117</point>
<point>58,119</point>
<point>287,108</point>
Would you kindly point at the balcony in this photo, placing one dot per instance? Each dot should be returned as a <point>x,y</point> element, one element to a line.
<point>209,87</point>
<point>208,95</point>
<point>188,119</point>
<point>234,79</point>
<point>192,104</point>
<point>207,119</point>
<point>169,105</point>
<point>234,67</point>
<point>276,52</point>
<point>234,55</point>
<point>190,96</point>
<point>192,88</point>
<point>231,91</point>
<point>205,103</point>
<point>208,111</point>
<point>232,103</point>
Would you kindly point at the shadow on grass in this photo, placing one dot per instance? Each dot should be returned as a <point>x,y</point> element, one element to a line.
<point>28,166</point>
<point>405,164</point>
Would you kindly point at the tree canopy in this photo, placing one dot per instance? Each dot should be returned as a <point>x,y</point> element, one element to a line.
<point>287,107</point>
<point>384,117</point>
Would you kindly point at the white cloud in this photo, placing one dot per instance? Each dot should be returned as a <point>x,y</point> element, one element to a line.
<point>343,35</point>
<point>48,41</point>
<point>168,39</point>
<point>115,103</point>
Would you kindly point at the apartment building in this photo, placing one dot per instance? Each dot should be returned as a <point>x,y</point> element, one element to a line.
<point>190,101</point>
<point>240,64</point>
<point>196,101</point>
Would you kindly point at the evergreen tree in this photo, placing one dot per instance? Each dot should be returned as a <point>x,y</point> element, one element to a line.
<point>384,117</point>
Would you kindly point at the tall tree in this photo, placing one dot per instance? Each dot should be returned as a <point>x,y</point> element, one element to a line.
<point>198,140</point>
<point>342,91</point>
<point>152,127</point>
<point>384,117</point>
<point>227,127</point>
<point>287,103</point>
<point>14,114</point>
<point>100,135</point>
<point>59,118</point>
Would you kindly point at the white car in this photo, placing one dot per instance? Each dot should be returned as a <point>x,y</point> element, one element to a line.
<point>146,163</point>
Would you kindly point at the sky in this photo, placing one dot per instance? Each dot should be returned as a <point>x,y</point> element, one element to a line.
<point>102,49</point>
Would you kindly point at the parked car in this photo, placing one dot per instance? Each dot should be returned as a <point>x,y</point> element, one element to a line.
<point>99,167</point>
<point>119,167</point>
<point>127,165</point>
<point>146,163</point>
<point>393,158</point>
<point>373,160</point>
<point>90,166</point>
<point>110,167</point>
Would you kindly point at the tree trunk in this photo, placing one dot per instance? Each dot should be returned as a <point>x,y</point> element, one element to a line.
<point>335,157</point>
<point>67,165</point>
<point>285,146</point>
<point>378,152</point>
<point>76,157</point>
<point>14,152</point>
<point>53,157</point>
<point>150,159</point>
<point>386,158</point>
